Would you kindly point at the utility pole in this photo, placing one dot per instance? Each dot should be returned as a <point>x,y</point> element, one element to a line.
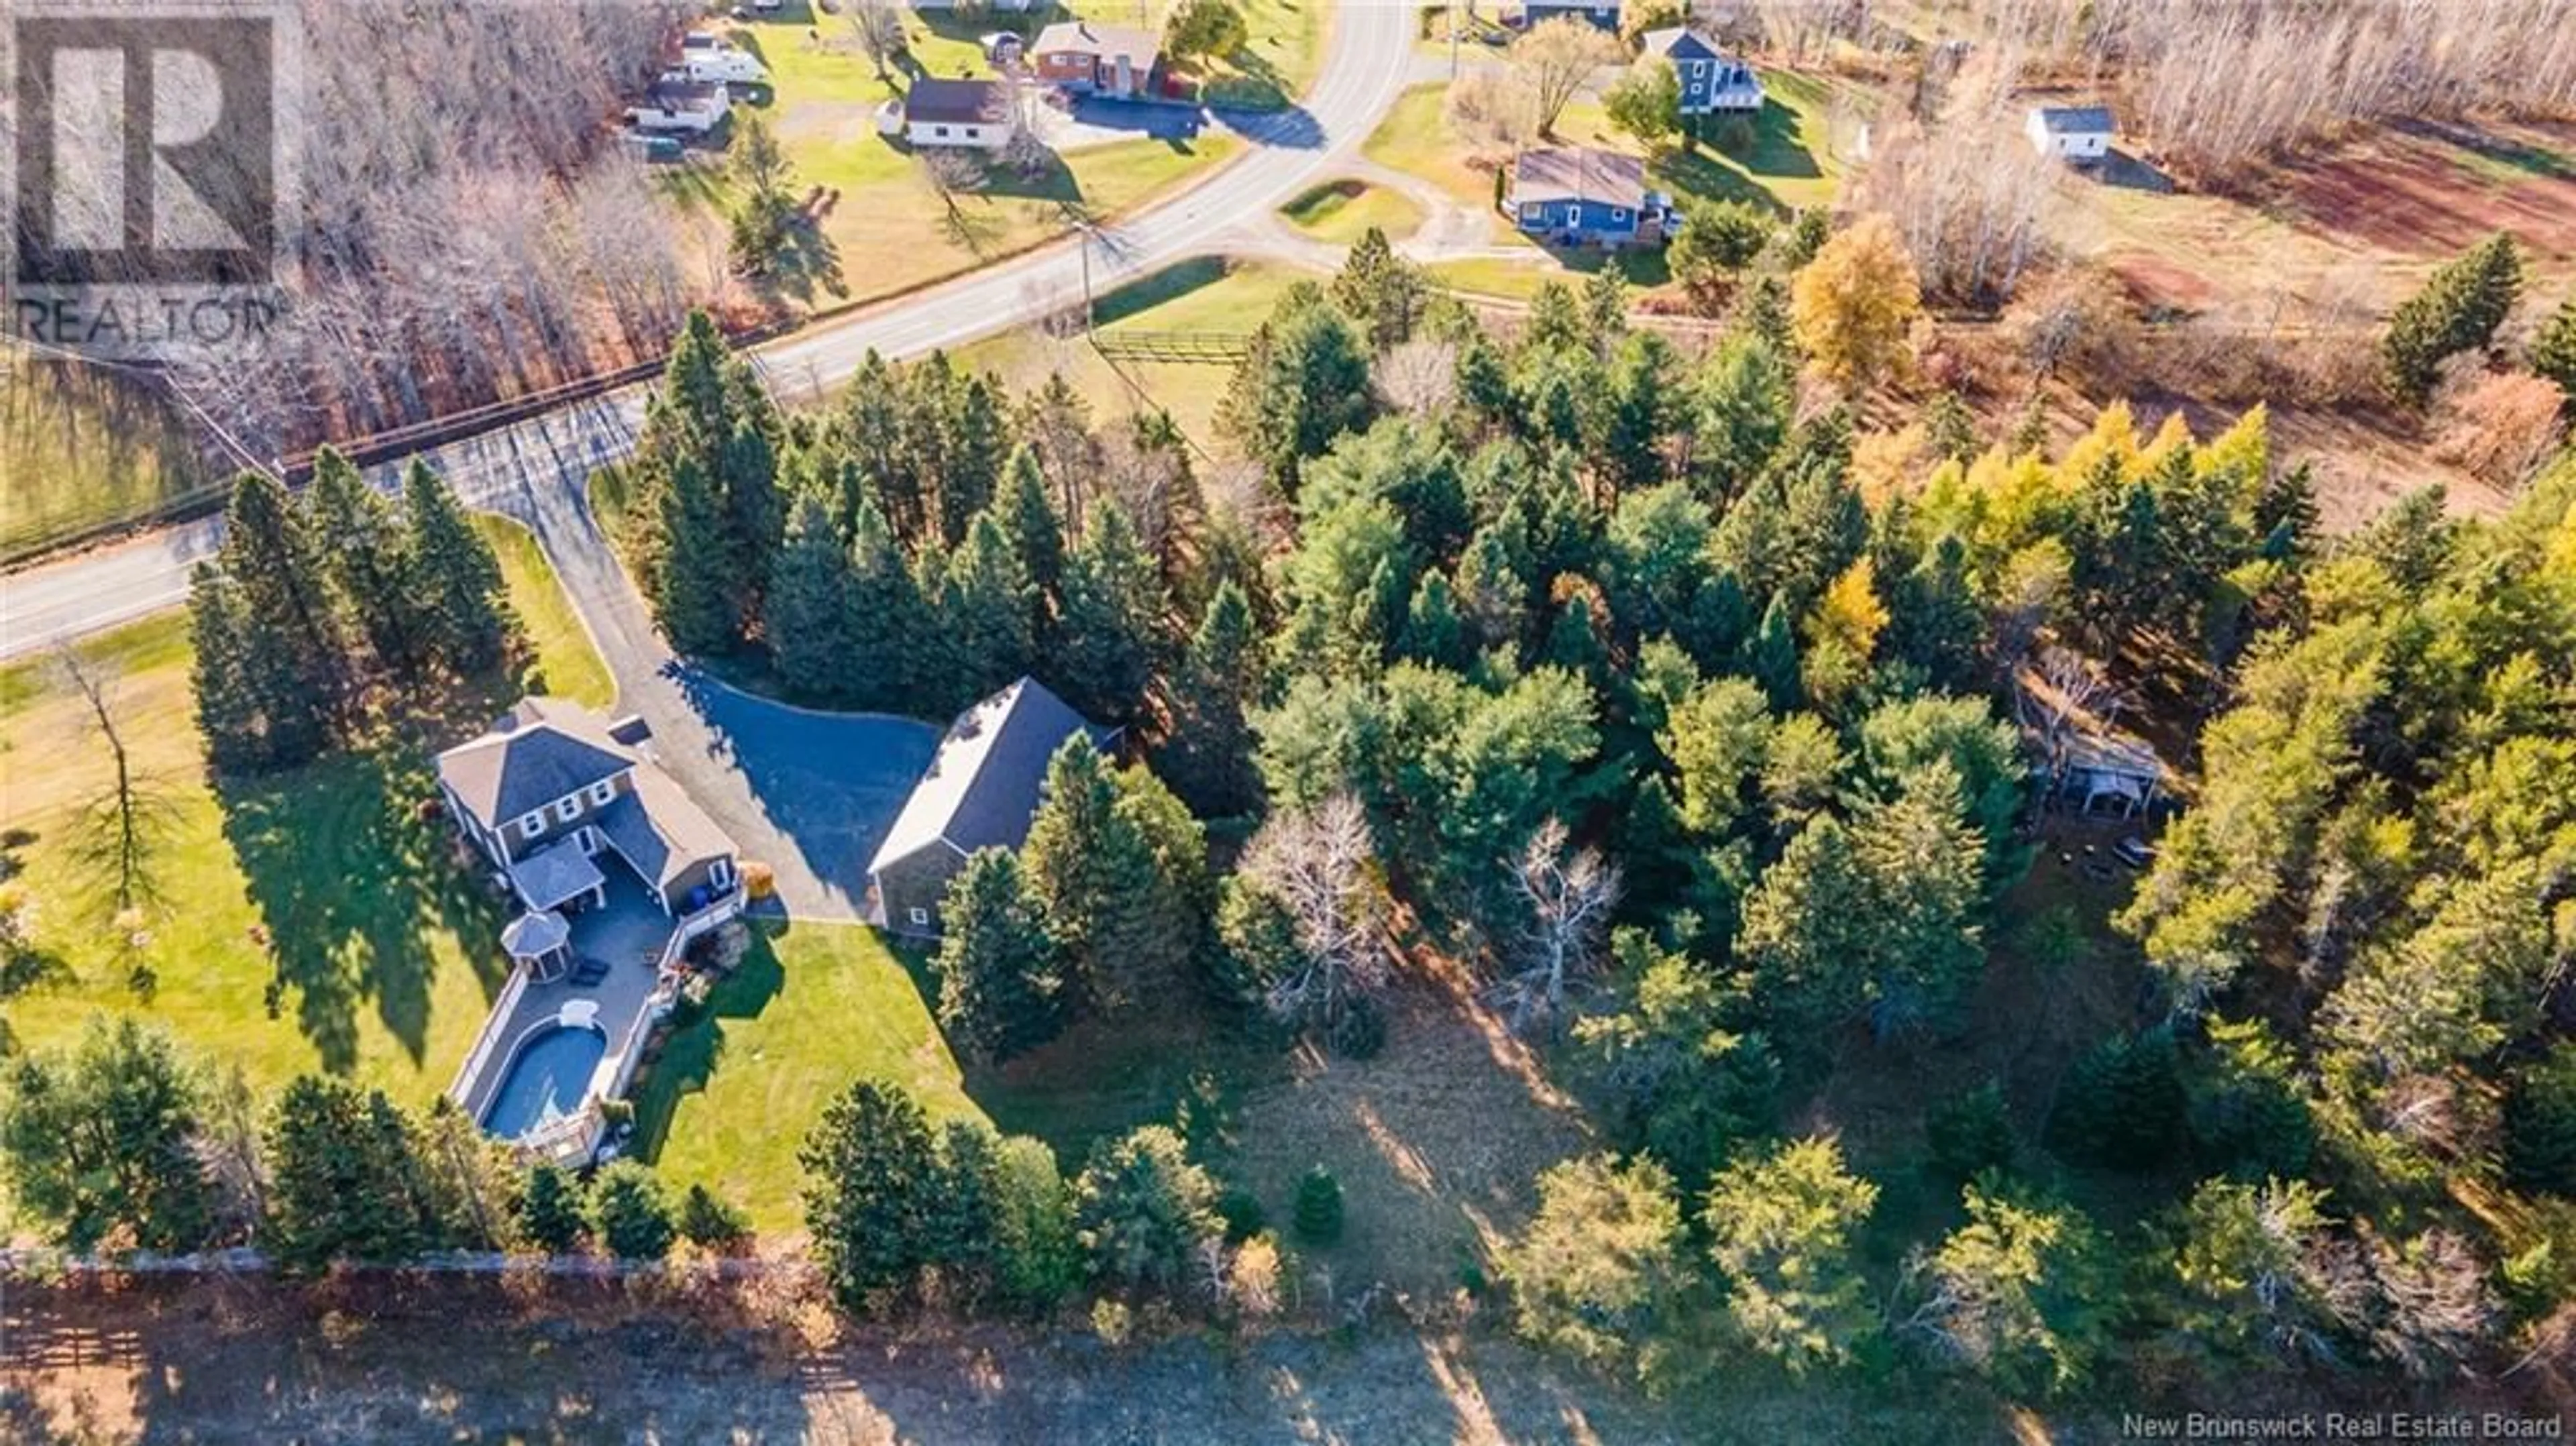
<point>1457,10</point>
<point>1084,229</point>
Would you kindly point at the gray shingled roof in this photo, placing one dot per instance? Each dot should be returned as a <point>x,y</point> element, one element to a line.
<point>961,102</point>
<point>1579,173</point>
<point>1680,42</point>
<point>2076,119</point>
<point>660,829</point>
<point>984,782</point>
<point>538,752</point>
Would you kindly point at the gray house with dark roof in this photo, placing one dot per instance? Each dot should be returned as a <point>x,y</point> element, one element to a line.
<point>2070,132</point>
<point>551,788</point>
<point>982,789</point>
<point>1712,82</point>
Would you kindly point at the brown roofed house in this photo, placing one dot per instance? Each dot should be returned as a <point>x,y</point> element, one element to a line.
<point>1089,58</point>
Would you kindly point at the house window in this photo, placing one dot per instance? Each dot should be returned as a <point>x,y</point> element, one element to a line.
<point>920,917</point>
<point>533,825</point>
<point>602,791</point>
<point>721,871</point>
<point>567,809</point>
<point>1533,212</point>
<point>940,131</point>
<point>1618,215</point>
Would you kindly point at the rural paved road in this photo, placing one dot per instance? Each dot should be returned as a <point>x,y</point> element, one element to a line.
<point>808,793</point>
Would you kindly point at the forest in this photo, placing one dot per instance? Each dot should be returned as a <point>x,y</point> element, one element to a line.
<point>1718,750</point>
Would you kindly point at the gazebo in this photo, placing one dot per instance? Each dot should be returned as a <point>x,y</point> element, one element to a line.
<point>541,940</point>
<point>553,877</point>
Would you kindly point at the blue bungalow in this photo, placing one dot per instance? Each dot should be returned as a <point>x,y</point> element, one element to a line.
<point>1713,82</point>
<point>1578,196</point>
<point>1601,14</point>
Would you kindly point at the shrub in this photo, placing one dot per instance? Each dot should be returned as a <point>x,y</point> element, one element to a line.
<point>1319,1207</point>
<point>1969,1134</point>
<point>1241,1211</point>
<point>550,1210</point>
<point>710,1222</point>
<point>631,1212</point>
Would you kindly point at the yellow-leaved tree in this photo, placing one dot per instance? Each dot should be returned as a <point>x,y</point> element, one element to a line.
<point>1852,305</point>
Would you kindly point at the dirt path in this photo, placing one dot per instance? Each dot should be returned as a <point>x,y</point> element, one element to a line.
<point>464,1362</point>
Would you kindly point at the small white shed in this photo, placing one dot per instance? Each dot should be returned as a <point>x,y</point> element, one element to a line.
<point>2070,132</point>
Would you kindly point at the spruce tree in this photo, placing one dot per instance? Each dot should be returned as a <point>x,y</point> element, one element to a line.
<point>1379,290</point>
<point>1318,1216</point>
<point>101,1139</point>
<point>755,515</point>
<point>979,443</point>
<point>710,1222</point>
<point>1109,633</point>
<point>2460,308</point>
<point>1029,520</point>
<point>887,629</point>
<point>2540,1125</point>
<point>367,550</point>
<point>809,619</point>
<point>961,1229</point>
<point>2122,1106</point>
<point>343,1177</point>
<point>229,699</point>
<point>1109,857</point>
<point>550,1214</point>
<point>692,592</point>
<point>999,987</point>
<point>1208,756</point>
<point>290,623</point>
<point>1771,657</point>
<point>984,613</point>
<point>871,1169</point>
<point>470,623</point>
<point>631,1212</point>
<point>2553,351</point>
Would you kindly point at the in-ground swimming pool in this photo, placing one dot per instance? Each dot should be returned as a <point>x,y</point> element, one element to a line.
<point>547,1078</point>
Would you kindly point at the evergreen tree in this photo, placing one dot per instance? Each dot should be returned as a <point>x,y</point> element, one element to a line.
<point>1112,868</point>
<point>231,700</point>
<point>998,980</point>
<point>1110,631</point>
<point>692,586</point>
<point>289,625</point>
<point>979,440</point>
<point>550,1213</point>
<point>984,613</point>
<point>1142,1209</point>
<point>1029,520</point>
<point>1771,656</point>
<point>1318,1217</point>
<point>471,627</point>
<point>1379,291</point>
<point>870,1171</point>
<point>1208,756</point>
<point>1782,1230</point>
<point>1969,1134</point>
<point>1600,1267</point>
<point>632,1212</point>
<point>344,1180</point>
<point>2540,1125</point>
<point>1039,1260</point>
<point>1432,631</point>
<point>100,1139</point>
<point>2023,1292</point>
<point>1949,429</point>
<point>1743,400</point>
<point>809,619</point>
<point>1305,382</point>
<point>2249,1116</point>
<point>2460,308</point>
<point>2122,1106</point>
<point>887,629</point>
<point>364,546</point>
<point>710,1222</point>
<point>961,1229</point>
<point>2553,351</point>
<point>2285,514</point>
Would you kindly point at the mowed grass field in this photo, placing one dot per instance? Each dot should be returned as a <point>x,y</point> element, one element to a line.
<point>1343,211</point>
<point>1789,164</point>
<point>735,1091</point>
<point>81,447</point>
<point>312,920</point>
<point>890,227</point>
<point>1211,295</point>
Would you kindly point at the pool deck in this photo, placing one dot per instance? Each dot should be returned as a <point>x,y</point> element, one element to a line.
<point>628,935</point>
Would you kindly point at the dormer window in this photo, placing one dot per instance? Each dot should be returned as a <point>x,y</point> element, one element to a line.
<point>532,824</point>
<point>602,791</point>
<point>567,809</point>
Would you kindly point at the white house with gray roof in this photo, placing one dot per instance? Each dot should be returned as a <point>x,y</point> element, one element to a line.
<point>2069,132</point>
<point>981,791</point>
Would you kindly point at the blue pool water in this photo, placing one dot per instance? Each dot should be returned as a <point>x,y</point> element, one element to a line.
<point>547,1077</point>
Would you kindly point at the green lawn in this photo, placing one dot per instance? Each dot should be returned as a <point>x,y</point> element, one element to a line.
<point>311,920</point>
<point>887,227</point>
<point>567,665</point>
<point>82,447</point>
<point>735,1092</point>
<point>1343,211</point>
<point>1204,295</point>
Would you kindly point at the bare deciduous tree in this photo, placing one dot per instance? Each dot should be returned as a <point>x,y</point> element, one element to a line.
<point>1566,896</point>
<point>1553,60</point>
<point>1319,864</point>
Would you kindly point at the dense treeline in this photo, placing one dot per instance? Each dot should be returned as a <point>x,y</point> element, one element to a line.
<point>320,606</point>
